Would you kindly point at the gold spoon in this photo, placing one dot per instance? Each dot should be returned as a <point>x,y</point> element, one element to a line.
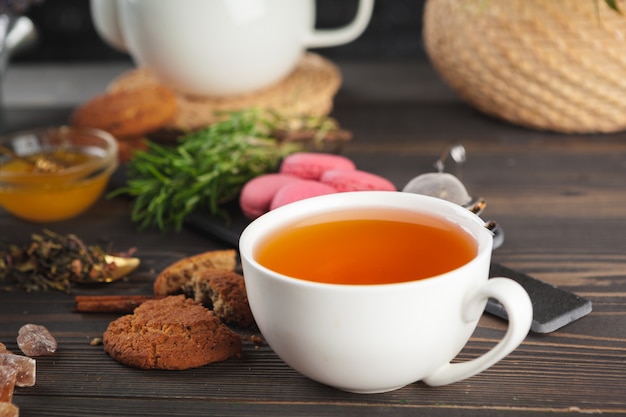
<point>123,267</point>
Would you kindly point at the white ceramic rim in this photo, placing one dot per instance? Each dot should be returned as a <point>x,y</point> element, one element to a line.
<point>297,211</point>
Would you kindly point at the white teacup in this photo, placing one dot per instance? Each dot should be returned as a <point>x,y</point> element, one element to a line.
<point>377,338</point>
<point>219,47</point>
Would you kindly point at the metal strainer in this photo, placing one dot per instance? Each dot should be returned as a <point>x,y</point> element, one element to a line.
<point>441,184</point>
<point>449,187</point>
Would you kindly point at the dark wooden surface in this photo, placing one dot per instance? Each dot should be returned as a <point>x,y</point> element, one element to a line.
<point>561,200</point>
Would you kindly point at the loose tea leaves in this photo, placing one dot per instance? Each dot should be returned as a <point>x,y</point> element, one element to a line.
<point>51,261</point>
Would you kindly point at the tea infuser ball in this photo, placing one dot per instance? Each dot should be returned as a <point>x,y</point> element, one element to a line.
<point>441,184</point>
<point>449,187</point>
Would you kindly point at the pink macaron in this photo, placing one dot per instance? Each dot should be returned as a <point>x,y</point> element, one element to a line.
<point>311,165</point>
<point>299,190</point>
<point>257,194</point>
<point>355,180</point>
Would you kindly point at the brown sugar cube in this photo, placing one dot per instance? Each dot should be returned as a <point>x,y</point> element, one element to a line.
<point>36,340</point>
<point>9,410</point>
<point>25,367</point>
<point>7,383</point>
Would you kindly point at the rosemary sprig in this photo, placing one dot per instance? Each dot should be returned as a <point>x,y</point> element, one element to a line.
<point>612,5</point>
<point>204,170</point>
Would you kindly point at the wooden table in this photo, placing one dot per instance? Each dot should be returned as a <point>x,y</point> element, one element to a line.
<point>560,198</point>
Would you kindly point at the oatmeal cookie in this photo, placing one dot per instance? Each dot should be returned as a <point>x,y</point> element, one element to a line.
<point>129,113</point>
<point>170,333</point>
<point>170,280</point>
<point>209,278</point>
<point>224,292</point>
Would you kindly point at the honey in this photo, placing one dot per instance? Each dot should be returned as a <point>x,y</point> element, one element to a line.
<point>51,196</point>
<point>368,251</point>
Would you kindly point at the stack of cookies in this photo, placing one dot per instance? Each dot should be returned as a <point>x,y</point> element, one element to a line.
<point>137,105</point>
<point>186,325</point>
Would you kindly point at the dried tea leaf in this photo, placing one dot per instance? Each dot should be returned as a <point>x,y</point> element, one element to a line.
<point>51,261</point>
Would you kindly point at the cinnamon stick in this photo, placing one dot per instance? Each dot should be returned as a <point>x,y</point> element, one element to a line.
<point>110,303</point>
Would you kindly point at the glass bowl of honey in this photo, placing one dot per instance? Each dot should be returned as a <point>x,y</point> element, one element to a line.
<point>56,173</point>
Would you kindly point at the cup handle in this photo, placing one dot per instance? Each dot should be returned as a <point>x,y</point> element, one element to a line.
<point>332,37</point>
<point>520,313</point>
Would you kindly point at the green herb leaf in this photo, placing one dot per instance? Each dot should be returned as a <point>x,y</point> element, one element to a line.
<point>613,5</point>
<point>206,169</point>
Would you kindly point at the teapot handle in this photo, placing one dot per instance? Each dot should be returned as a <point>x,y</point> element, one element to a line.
<point>105,17</point>
<point>332,37</point>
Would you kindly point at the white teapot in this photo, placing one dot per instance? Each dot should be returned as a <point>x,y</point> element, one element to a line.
<point>219,47</point>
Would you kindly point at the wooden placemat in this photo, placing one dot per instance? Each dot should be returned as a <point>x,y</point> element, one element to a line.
<point>308,90</point>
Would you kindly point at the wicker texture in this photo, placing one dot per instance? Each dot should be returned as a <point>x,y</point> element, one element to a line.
<point>556,65</point>
<point>308,90</point>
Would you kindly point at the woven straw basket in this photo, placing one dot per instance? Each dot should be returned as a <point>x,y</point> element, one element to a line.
<point>556,65</point>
